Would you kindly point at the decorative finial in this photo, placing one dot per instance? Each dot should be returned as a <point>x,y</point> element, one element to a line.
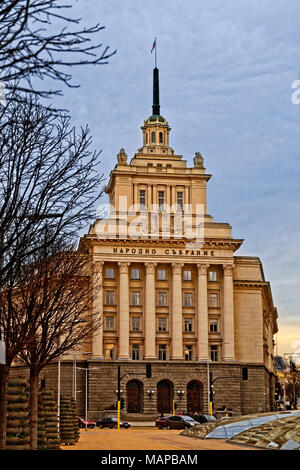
<point>198,160</point>
<point>122,157</point>
<point>155,107</point>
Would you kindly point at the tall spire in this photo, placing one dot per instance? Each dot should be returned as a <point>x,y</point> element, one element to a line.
<point>155,107</point>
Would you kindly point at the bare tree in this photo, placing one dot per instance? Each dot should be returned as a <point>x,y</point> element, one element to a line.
<point>49,184</point>
<point>57,294</point>
<point>39,40</point>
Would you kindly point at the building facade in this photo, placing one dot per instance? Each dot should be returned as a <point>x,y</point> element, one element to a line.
<point>173,293</point>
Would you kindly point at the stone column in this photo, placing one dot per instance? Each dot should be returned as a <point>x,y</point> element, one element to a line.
<point>202,320</point>
<point>150,317</point>
<point>229,354</point>
<point>123,311</point>
<point>97,339</point>
<point>177,347</point>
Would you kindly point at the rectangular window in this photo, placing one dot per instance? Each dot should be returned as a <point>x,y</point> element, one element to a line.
<point>188,352</point>
<point>110,273</point>
<point>179,201</point>
<point>142,198</point>
<point>109,351</point>
<point>187,299</point>
<point>135,352</point>
<point>162,299</point>
<point>214,353</point>
<point>187,275</point>
<point>213,326</point>
<point>212,276</point>
<point>136,323</point>
<point>213,300</point>
<point>162,324</point>
<point>162,352</point>
<point>188,324</point>
<point>109,297</point>
<point>161,199</point>
<point>135,298</point>
<point>109,323</point>
<point>161,274</point>
<point>135,274</point>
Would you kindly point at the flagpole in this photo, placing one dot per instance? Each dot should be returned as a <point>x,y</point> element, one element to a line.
<point>155,53</point>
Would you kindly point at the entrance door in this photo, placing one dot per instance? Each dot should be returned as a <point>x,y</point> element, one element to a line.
<point>134,397</point>
<point>193,396</point>
<point>164,396</point>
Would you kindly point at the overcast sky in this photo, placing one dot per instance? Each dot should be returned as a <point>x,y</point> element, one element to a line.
<point>226,71</point>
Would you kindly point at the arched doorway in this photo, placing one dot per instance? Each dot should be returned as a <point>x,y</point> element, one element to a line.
<point>165,393</point>
<point>194,396</point>
<point>134,393</point>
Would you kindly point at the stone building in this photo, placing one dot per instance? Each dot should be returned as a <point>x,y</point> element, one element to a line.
<point>174,294</point>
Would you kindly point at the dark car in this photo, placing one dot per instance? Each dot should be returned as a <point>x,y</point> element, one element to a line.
<point>204,418</point>
<point>176,422</point>
<point>161,422</point>
<point>111,423</point>
<point>82,422</point>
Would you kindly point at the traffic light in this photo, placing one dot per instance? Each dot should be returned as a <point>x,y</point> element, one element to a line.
<point>292,367</point>
<point>122,404</point>
<point>245,373</point>
<point>148,371</point>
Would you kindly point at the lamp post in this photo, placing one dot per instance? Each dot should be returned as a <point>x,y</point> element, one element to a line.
<point>86,369</point>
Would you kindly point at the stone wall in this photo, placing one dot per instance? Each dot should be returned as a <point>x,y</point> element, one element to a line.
<point>241,396</point>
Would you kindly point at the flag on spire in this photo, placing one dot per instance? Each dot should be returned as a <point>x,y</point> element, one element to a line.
<point>153,46</point>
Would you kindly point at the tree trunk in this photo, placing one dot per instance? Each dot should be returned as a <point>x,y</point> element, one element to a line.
<point>4,372</point>
<point>34,390</point>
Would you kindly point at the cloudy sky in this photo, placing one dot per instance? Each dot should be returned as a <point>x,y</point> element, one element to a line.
<point>226,71</point>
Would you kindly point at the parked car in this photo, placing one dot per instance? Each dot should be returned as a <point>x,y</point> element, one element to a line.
<point>204,418</point>
<point>112,422</point>
<point>176,422</point>
<point>81,423</point>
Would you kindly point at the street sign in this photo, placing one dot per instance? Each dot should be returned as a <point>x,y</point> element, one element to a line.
<point>2,352</point>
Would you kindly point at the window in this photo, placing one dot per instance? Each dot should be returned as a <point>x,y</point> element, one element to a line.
<point>110,273</point>
<point>161,138</point>
<point>212,276</point>
<point>213,300</point>
<point>162,352</point>
<point>187,299</point>
<point>161,274</point>
<point>142,198</point>
<point>161,199</point>
<point>109,323</point>
<point>180,201</point>
<point>136,323</point>
<point>214,353</point>
<point>161,299</point>
<point>213,326</point>
<point>150,164</point>
<point>162,324</point>
<point>109,351</point>
<point>135,298</point>
<point>187,275</point>
<point>135,274</point>
<point>188,324</point>
<point>135,352</point>
<point>188,352</point>
<point>109,297</point>
<point>153,137</point>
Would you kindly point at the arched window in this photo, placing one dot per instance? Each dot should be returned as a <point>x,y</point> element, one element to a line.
<point>165,395</point>
<point>134,392</point>
<point>153,137</point>
<point>194,396</point>
<point>161,138</point>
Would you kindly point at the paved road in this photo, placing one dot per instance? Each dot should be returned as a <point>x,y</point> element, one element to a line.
<point>146,439</point>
